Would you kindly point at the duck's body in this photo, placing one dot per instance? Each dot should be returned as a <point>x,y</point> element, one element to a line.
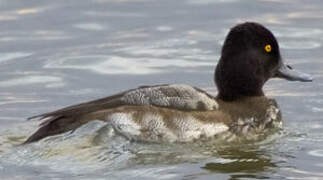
<point>246,118</point>
<point>181,113</point>
<point>168,113</point>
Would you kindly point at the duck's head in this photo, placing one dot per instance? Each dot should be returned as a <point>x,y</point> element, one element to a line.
<point>250,56</point>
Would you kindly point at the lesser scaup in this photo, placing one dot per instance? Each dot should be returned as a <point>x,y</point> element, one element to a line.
<point>180,113</point>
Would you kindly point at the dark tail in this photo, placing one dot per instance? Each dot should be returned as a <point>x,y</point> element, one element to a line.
<point>54,126</point>
<point>72,117</point>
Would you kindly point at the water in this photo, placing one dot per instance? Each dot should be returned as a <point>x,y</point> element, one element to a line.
<point>58,53</point>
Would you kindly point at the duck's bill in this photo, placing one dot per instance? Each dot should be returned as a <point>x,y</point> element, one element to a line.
<point>288,73</point>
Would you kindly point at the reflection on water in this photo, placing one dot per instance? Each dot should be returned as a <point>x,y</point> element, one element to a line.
<point>56,53</point>
<point>242,164</point>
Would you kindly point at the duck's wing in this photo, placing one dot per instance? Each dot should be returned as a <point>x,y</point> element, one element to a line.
<point>175,96</point>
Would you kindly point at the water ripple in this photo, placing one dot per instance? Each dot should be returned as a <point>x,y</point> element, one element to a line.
<point>35,79</point>
<point>15,14</point>
<point>40,34</point>
<point>90,26</point>
<point>293,32</point>
<point>115,14</point>
<point>122,65</point>
<point>164,28</point>
<point>13,99</point>
<point>316,153</point>
<point>207,2</point>
<point>13,55</point>
<point>301,44</point>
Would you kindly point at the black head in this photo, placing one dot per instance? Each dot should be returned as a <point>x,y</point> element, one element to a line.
<point>250,56</point>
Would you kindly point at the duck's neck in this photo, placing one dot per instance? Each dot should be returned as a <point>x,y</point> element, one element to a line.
<point>225,96</point>
<point>235,82</point>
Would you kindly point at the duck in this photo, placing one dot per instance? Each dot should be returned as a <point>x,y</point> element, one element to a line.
<point>250,56</point>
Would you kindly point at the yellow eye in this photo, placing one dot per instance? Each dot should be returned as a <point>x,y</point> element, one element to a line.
<point>268,48</point>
